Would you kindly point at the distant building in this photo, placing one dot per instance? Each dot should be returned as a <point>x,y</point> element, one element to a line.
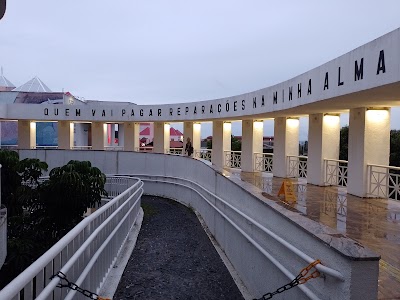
<point>146,134</point>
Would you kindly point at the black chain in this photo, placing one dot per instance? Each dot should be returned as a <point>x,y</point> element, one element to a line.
<point>73,286</point>
<point>292,284</point>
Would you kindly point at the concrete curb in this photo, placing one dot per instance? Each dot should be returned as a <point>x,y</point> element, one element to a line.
<point>114,277</point>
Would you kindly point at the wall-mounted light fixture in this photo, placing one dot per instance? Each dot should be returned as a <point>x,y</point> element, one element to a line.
<point>258,124</point>
<point>331,118</point>
<point>377,114</point>
<point>292,122</point>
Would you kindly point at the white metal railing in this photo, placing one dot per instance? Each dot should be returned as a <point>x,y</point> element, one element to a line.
<point>297,166</point>
<point>263,162</point>
<point>9,147</point>
<point>233,159</point>
<point>3,229</point>
<point>226,210</point>
<point>384,181</point>
<point>144,149</point>
<point>175,151</point>
<point>336,172</point>
<point>203,154</point>
<point>82,147</point>
<point>86,254</point>
<point>3,234</point>
<point>44,147</point>
<point>114,148</point>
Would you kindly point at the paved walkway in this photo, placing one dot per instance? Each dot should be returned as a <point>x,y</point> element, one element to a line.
<point>174,258</point>
<point>374,223</point>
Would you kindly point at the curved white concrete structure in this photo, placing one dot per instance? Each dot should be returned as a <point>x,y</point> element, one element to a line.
<point>366,76</point>
<point>266,243</point>
<point>361,81</point>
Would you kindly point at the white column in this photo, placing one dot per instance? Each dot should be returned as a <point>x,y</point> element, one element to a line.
<point>193,131</point>
<point>121,134</point>
<point>99,135</point>
<point>65,134</point>
<point>161,140</point>
<point>252,142</point>
<point>221,142</point>
<point>131,136</point>
<point>112,135</point>
<point>286,142</point>
<point>26,134</point>
<point>369,143</point>
<point>323,143</point>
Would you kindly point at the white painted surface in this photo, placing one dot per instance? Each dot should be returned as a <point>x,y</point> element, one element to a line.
<point>99,135</point>
<point>65,134</point>
<point>221,142</point>
<point>376,88</point>
<point>252,142</point>
<point>192,130</point>
<point>286,142</point>
<point>257,272</point>
<point>81,136</point>
<point>369,143</point>
<point>131,135</point>
<point>161,137</point>
<point>26,134</point>
<point>323,143</point>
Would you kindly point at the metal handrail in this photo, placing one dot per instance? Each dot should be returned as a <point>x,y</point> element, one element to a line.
<point>81,147</point>
<point>321,268</point>
<point>382,166</point>
<point>115,205</point>
<point>337,160</point>
<point>304,256</point>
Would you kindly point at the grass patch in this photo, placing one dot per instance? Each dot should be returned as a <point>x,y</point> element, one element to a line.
<point>149,210</point>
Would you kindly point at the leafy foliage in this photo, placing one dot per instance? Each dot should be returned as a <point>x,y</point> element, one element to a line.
<point>71,189</point>
<point>40,213</point>
<point>236,144</point>
<point>344,143</point>
<point>394,148</point>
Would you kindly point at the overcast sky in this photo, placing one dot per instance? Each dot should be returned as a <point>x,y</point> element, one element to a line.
<point>151,52</point>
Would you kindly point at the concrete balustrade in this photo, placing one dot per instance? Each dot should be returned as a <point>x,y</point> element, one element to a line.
<point>267,244</point>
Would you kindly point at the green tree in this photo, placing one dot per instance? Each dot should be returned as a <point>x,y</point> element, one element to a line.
<point>44,212</point>
<point>70,190</point>
<point>344,143</point>
<point>17,179</point>
<point>394,148</point>
<point>236,144</point>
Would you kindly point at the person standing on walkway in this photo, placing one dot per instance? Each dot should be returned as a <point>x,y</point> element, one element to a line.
<point>188,147</point>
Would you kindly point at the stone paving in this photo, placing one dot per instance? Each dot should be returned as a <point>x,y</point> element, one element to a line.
<point>372,222</point>
<point>174,258</point>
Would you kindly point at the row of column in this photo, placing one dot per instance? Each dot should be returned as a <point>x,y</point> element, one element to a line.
<point>369,142</point>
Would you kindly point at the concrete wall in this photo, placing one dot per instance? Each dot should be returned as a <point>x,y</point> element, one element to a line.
<point>190,181</point>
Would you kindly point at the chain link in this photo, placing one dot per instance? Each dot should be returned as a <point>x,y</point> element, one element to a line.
<point>300,279</point>
<point>73,286</point>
